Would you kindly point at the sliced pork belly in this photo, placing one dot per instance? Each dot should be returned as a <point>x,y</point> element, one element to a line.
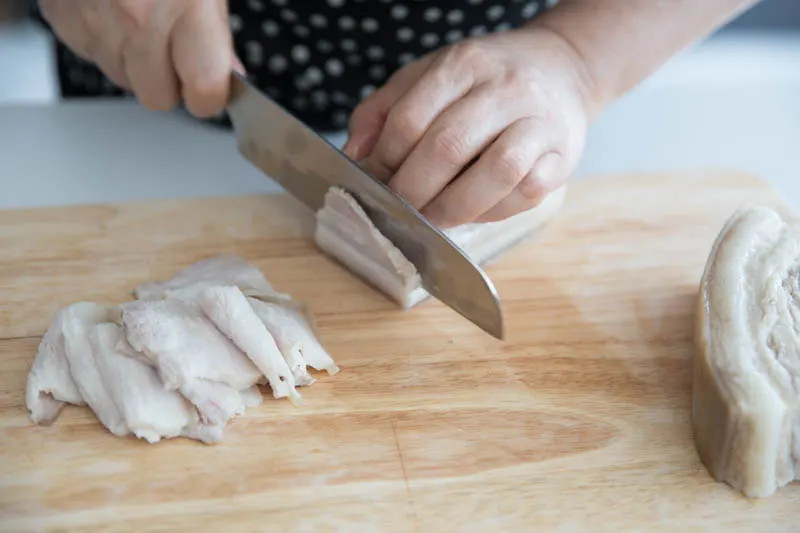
<point>345,233</point>
<point>295,338</point>
<point>227,307</point>
<point>150,412</point>
<point>191,355</point>
<point>78,321</point>
<point>220,270</point>
<point>50,385</point>
<point>183,359</point>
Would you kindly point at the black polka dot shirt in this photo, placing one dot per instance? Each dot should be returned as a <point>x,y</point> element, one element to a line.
<point>320,58</point>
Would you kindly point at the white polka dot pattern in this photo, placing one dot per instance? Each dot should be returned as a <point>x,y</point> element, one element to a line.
<point>319,58</point>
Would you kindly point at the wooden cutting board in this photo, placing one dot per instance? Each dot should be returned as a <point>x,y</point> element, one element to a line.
<point>578,422</point>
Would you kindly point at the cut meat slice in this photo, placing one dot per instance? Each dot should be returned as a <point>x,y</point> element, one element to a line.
<point>78,320</point>
<point>149,411</point>
<point>191,355</point>
<point>183,359</point>
<point>50,385</point>
<point>345,233</point>
<point>295,339</point>
<point>746,382</point>
<point>230,311</point>
<point>220,270</point>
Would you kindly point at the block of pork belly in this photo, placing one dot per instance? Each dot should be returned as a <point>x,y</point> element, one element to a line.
<point>50,385</point>
<point>746,377</point>
<point>150,411</point>
<point>345,232</point>
<point>191,356</point>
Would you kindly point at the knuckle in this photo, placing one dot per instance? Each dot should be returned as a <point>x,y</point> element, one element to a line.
<point>516,82</point>
<point>93,22</point>
<point>450,145</point>
<point>136,13</point>
<point>510,167</point>
<point>469,54</point>
<point>362,114</point>
<point>403,122</point>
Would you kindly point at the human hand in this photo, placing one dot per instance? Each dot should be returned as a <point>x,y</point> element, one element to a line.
<point>162,51</point>
<point>480,130</point>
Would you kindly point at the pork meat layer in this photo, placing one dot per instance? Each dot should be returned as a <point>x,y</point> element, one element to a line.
<point>746,383</point>
<point>345,232</point>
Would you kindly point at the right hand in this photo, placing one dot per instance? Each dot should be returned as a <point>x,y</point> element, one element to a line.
<point>162,51</point>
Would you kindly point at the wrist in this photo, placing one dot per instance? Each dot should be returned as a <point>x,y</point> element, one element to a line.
<point>585,81</point>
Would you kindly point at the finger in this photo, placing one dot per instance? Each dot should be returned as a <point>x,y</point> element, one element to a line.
<point>548,175</point>
<point>439,86</point>
<point>100,19</point>
<point>495,174</point>
<point>369,117</point>
<point>148,65</point>
<point>113,69</point>
<point>201,54</point>
<point>69,26</point>
<point>455,138</point>
<point>367,120</point>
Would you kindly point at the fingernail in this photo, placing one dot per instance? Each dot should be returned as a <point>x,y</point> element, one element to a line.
<point>237,65</point>
<point>349,149</point>
<point>354,148</point>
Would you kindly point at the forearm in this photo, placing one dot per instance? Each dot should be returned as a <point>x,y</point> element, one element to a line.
<point>622,42</point>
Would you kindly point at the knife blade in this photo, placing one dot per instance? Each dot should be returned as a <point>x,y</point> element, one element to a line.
<point>306,165</point>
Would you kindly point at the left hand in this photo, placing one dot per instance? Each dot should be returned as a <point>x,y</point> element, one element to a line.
<point>477,131</point>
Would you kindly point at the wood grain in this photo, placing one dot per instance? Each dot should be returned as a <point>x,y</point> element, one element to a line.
<point>577,422</point>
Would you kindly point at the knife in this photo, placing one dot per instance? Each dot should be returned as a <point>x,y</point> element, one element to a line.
<point>306,166</point>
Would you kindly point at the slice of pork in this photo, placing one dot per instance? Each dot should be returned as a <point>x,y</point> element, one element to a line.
<point>191,355</point>
<point>150,412</point>
<point>345,232</point>
<point>50,385</point>
<point>227,307</point>
<point>224,269</point>
<point>295,338</point>
<point>78,320</point>
<point>746,382</point>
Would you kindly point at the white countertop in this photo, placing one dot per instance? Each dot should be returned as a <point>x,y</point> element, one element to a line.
<point>729,103</point>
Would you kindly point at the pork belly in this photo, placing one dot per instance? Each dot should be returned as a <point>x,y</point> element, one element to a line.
<point>345,232</point>
<point>191,355</point>
<point>183,359</point>
<point>50,385</point>
<point>746,379</point>
<point>150,411</point>
<point>78,321</point>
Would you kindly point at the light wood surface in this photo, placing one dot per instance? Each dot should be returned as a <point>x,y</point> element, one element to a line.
<point>577,422</point>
